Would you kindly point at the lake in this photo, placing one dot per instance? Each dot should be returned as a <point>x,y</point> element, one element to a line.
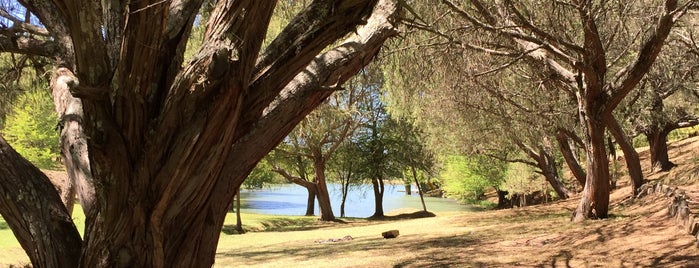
<point>290,199</point>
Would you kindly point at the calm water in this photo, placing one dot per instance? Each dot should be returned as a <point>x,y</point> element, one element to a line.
<point>290,199</point>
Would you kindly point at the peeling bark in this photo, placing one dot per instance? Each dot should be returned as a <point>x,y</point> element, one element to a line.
<point>73,142</point>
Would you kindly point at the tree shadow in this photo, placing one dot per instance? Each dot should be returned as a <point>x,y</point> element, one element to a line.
<point>405,216</point>
<point>281,224</point>
<point>413,243</point>
<point>562,259</point>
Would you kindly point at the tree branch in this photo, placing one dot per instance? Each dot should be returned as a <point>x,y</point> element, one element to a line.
<point>632,74</point>
<point>20,26</point>
<point>34,211</point>
<point>292,179</point>
<point>27,45</point>
<point>319,25</point>
<point>312,87</point>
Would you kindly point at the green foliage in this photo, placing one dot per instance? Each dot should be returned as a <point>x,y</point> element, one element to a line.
<point>467,177</point>
<point>521,178</point>
<point>31,129</point>
<point>262,174</point>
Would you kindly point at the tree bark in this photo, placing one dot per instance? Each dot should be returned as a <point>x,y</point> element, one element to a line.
<point>169,141</point>
<point>345,190</point>
<point>238,219</point>
<point>547,164</point>
<point>595,195</point>
<point>311,201</point>
<point>73,142</point>
<point>503,201</point>
<point>311,187</point>
<point>633,162</point>
<point>34,211</point>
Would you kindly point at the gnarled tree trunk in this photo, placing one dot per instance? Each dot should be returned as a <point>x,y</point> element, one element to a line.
<point>169,141</point>
<point>595,195</point>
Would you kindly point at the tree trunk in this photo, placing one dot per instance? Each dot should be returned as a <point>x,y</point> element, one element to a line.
<point>311,201</point>
<point>238,219</point>
<point>169,141</point>
<point>547,164</point>
<point>419,189</point>
<point>543,156</point>
<point>345,191</point>
<point>326,210</point>
<point>378,186</point>
<point>342,204</point>
<point>408,189</point>
<point>73,143</point>
<point>503,201</point>
<point>566,146</point>
<point>657,141</point>
<point>32,208</point>
<point>633,162</point>
<point>612,160</point>
<point>595,195</point>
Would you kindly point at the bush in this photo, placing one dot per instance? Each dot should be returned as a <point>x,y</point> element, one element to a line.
<point>31,129</point>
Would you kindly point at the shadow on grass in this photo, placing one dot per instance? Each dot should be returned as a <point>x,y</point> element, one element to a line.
<point>405,216</point>
<point>3,225</point>
<point>376,245</point>
<point>290,224</point>
<point>280,224</point>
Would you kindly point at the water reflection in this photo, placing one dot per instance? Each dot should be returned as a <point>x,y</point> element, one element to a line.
<point>290,199</point>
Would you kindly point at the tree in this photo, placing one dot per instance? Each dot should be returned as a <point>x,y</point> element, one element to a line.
<point>317,138</point>
<point>170,141</point>
<point>666,101</point>
<point>379,145</point>
<point>412,153</point>
<point>345,163</point>
<point>585,47</point>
